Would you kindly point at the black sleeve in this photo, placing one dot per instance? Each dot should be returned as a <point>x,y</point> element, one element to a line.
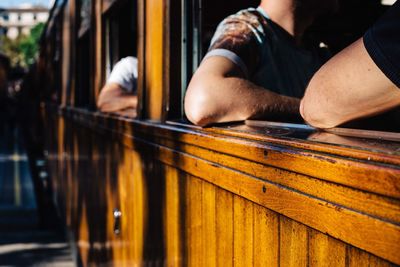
<point>382,42</point>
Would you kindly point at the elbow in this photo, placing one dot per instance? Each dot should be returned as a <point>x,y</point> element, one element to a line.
<point>319,106</point>
<point>198,106</point>
<point>315,115</point>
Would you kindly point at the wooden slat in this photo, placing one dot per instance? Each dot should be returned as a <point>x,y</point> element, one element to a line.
<point>66,52</point>
<point>384,238</point>
<point>357,257</point>
<point>293,243</point>
<point>118,246</point>
<point>242,232</point>
<point>341,170</point>
<point>379,206</point>
<point>172,217</point>
<point>209,225</point>
<point>99,50</point>
<point>266,237</point>
<point>141,48</point>
<point>193,221</point>
<point>154,53</point>
<point>110,194</point>
<point>137,203</point>
<point>326,251</point>
<point>83,235</point>
<point>224,228</point>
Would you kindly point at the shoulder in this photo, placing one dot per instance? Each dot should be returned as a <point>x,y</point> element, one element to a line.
<point>250,15</point>
<point>249,19</point>
<point>243,27</point>
<point>127,66</point>
<point>127,62</point>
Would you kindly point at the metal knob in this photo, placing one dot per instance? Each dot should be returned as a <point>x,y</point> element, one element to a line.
<point>117,221</point>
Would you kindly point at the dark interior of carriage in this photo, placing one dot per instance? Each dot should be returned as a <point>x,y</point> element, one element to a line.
<point>120,39</point>
<point>337,30</point>
<point>121,31</point>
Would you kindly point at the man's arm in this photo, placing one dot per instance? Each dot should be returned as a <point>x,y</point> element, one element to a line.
<point>347,87</point>
<point>219,93</point>
<point>114,98</point>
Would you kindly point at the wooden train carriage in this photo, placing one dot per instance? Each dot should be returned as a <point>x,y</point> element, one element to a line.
<point>155,190</point>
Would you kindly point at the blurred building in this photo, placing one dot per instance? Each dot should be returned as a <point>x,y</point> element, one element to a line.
<point>19,20</point>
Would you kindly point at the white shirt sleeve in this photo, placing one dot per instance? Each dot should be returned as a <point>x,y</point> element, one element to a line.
<point>125,73</point>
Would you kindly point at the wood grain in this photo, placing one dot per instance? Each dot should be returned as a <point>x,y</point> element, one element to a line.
<point>293,243</point>
<point>154,54</point>
<point>266,237</point>
<point>224,227</point>
<point>222,178</point>
<point>172,217</point>
<point>194,222</point>
<point>357,257</point>
<point>242,232</point>
<point>208,216</point>
<point>376,205</point>
<point>325,251</point>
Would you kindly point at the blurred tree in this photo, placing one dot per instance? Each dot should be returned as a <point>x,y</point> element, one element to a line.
<point>23,50</point>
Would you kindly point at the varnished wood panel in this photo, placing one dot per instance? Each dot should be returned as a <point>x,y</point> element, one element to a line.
<point>212,213</point>
<point>194,241</point>
<point>377,205</point>
<point>266,237</point>
<point>242,232</point>
<point>293,243</point>
<point>326,251</point>
<point>154,53</point>
<point>224,227</point>
<point>357,257</point>
<point>66,53</point>
<point>208,215</point>
<point>173,217</point>
<point>99,58</point>
<point>323,216</point>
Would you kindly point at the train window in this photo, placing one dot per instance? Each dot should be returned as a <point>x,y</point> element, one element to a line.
<point>200,19</point>
<point>57,58</point>
<point>84,56</point>
<point>197,24</point>
<point>83,72</point>
<point>120,33</point>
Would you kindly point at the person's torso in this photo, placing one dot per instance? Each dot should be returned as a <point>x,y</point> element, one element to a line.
<point>284,67</point>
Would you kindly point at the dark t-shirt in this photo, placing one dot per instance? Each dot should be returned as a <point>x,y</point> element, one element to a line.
<point>382,42</point>
<point>266,54</point>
